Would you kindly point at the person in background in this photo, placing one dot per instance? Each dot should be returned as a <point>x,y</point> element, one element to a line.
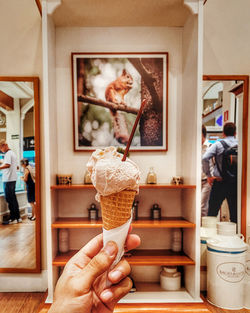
<point>29,179</point>
<point>88,285</point>
<point>9,178</point>
<point>205,186</point>
<point>222,187</point>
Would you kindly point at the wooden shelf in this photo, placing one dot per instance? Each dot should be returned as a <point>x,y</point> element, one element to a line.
<point>142,186</point>
<point>80,222</point>
<point>181,307</point>
<point>140,257</point>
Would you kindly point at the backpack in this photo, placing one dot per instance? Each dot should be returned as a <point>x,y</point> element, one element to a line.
<point>229,166</point>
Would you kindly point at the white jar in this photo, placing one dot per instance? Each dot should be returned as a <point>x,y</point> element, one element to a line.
<point>247,280</point>
<point>63,240</point>
<point>226,258</point>
<point>207,230</point>
<point>170,279</point>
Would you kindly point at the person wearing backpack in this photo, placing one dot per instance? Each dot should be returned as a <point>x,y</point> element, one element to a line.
<point>29,178</point>
<point>224,178</point>
<point>205,186</point>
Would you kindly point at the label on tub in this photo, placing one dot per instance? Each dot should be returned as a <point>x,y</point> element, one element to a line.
<point>248,267</point>
<point>232,272</point>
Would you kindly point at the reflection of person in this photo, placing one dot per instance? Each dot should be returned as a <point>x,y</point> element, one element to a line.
<point>221,188</point>
<point>30,184</point>
<point>9,168</point>
<point>205,186</point>
<point>83,285</point>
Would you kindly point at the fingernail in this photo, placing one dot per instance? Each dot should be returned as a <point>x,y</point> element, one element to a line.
<point>110,248</point>
<point>107,295</point>
<point>115,275</point>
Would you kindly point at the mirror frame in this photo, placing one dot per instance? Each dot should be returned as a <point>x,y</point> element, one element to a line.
<point>35,81</point>
<point>245,79</point>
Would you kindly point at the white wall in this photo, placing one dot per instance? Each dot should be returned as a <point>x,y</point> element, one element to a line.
<point>227,48</point>
<point>21,55</point>
<point>127,39</point>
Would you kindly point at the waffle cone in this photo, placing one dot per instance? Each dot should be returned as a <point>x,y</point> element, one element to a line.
<point>116,208</point>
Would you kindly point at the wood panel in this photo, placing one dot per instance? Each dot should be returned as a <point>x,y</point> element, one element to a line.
<point>29,303</point>
<point>6,101</point>
<point>39,6</point>
<point>140,258</point>
<point>153,308</point>
<point>142,186</point>
<point>78,222</point>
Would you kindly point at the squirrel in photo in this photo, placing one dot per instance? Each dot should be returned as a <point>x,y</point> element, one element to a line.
<point>115,93</point>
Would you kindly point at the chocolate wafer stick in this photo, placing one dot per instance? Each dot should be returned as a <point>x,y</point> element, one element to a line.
<point>133,130</point>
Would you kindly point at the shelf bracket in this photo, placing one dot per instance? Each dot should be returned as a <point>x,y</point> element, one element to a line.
<point>193,5</point>
<point>52,5</point>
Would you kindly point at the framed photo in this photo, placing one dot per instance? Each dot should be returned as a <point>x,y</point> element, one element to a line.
<point>108,89</point>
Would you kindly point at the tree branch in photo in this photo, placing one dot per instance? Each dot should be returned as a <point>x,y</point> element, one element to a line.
<point>149,81</point>
<point>106,104</point>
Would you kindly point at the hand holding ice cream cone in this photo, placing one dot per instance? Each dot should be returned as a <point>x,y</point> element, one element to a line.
<point>117,183</point>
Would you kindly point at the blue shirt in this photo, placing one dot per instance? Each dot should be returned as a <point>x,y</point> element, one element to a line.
<point>216,151</point>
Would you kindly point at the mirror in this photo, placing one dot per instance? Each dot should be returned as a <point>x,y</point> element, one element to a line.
<point>19,175</point>
<point>225,99</point>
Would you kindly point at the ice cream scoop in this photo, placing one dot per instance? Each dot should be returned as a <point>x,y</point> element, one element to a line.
<point>109,174</point>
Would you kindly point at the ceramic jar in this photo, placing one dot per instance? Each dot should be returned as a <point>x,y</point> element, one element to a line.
<point>247,279</point>
<point>170,279</point>
<point>226,258</point>
<point>176,243</point>
<point>63,240</point>
<point>207,230</point>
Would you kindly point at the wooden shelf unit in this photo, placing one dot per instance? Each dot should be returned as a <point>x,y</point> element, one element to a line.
<point>181,120</point>
<point>81,222</point>
<point>142,186</point>
<point>140,258</point>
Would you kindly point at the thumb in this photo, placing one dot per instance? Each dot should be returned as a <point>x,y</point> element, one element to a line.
<point>98,265</point>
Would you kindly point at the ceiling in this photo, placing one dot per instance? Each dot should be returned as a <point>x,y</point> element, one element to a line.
<point>107,13</point>
<point>21,90</point>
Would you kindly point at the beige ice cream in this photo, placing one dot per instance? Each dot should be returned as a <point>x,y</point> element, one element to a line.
<point>110,175</point>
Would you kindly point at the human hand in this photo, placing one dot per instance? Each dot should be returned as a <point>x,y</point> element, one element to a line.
<point>82,288</point>
<point>210,180</point>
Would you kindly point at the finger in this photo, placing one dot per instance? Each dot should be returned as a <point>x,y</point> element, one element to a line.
<point>112,295</point>
<point>90,250</point>
<point>120,271</point>
<point>132,242</point>
<point>93,246</point>
<point>97,266</point>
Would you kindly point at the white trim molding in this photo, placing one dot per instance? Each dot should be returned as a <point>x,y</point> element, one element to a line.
<point>193,5</point>
<point>26,282</point>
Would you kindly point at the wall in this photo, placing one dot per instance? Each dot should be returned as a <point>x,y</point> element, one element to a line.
<point>28,125</point>
<point>227,48</point>
<point>125,39</point>
<point>21,55</point>
<point>166,164</point>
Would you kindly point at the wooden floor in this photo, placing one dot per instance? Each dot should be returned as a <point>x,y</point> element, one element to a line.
<point>21,302</point>
<point>34,303</point>
<point>17,245</point>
